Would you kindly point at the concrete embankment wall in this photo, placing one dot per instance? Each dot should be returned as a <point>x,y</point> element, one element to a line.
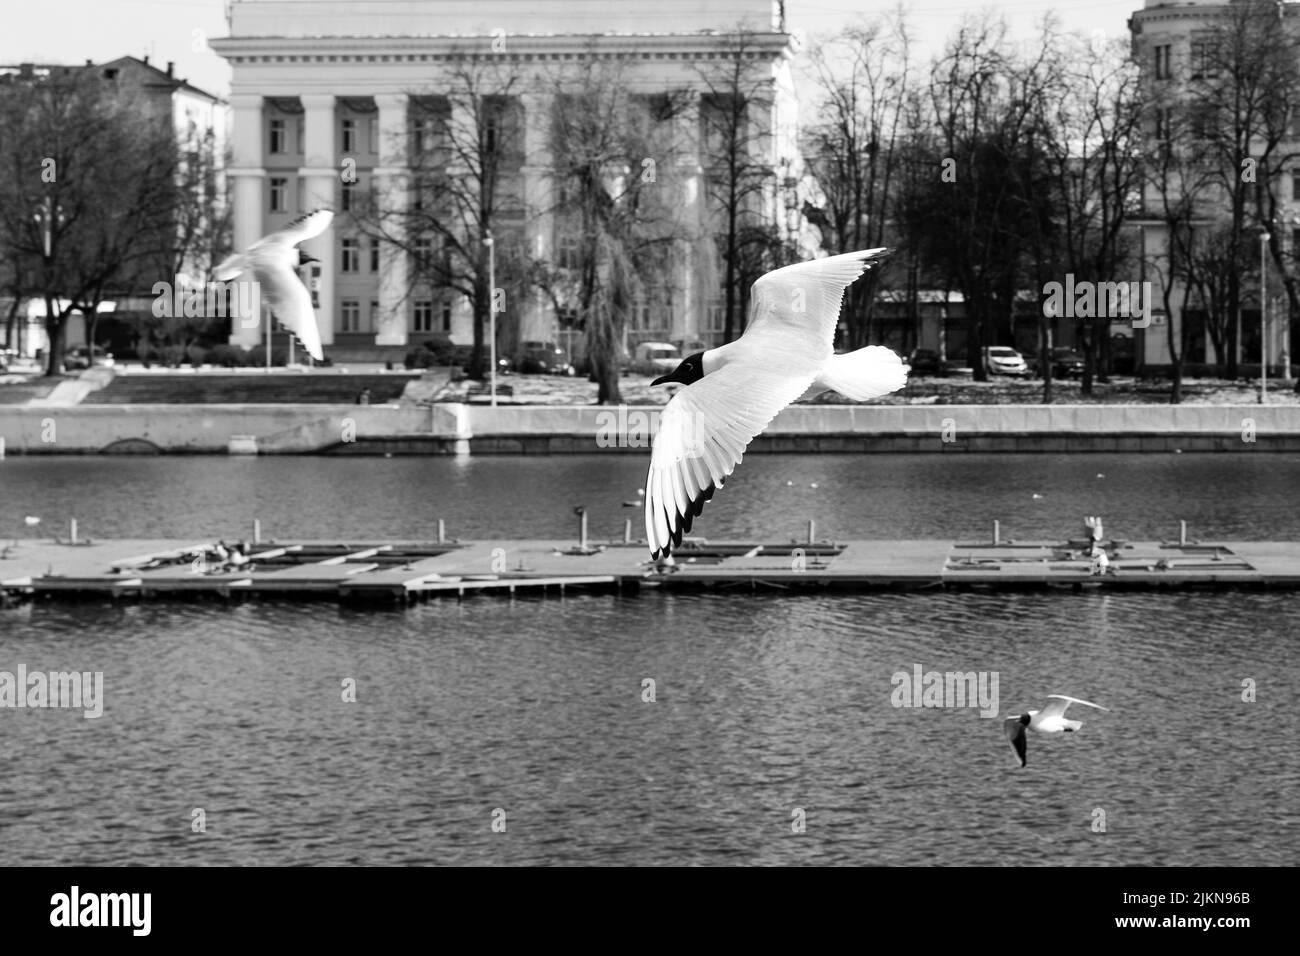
<point>912,428</point>
<point>478,429</point>
<point>210,429</point>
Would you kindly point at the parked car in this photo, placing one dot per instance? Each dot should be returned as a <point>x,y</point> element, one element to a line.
<point>543,358</point>
<point>926,362</point>
<point>655,358</point>
<point>1066,363</point>
<point>1002,360</point>
<point>79,356</point>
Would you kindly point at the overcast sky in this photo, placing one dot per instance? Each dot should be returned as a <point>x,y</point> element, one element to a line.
<point>72,31</point>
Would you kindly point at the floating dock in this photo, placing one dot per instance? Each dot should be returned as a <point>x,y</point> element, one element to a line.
<point>405,572</point>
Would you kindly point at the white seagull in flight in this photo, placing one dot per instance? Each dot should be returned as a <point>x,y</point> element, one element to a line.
<point>1050,720</point>
<point>274,261</point>
<point>734,391</point>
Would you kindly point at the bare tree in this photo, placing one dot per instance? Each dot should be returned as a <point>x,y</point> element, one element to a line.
<point>466,144</point>
<point>735,94</point>
<point>864,78</point>
<point>1089,131</point>
<point>966,205</point>
<point>620,227</point>
<point>87,195</point>
<point>1178,182</point>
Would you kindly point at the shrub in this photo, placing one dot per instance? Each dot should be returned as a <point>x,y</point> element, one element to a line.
<point>442,351</point>
<point>420,358</point>
<point>228,356</point>
<point>173,355</point>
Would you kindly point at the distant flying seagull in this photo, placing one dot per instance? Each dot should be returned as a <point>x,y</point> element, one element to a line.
<point>734,391</point>
<point>32,521</point>
<point>274,261</point>
<point>1050,720</point>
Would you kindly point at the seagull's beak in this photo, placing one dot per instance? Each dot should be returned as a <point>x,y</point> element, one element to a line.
<point>662,379</point>
<point>304,258</point>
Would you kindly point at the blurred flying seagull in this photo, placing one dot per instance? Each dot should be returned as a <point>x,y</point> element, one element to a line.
<point>1050,720</point>
<point>274,261</point>
<point>734,391</point>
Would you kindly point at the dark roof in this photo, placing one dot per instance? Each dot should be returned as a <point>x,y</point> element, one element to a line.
<point>149,76</point>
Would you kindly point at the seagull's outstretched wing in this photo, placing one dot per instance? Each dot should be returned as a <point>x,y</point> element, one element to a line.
<point>802,301</point>
<point>289,299</point>
<point>703,433</point>
<point>1059,703</point>
<point>230,268</point>
<point>301,229</point>
<point>1015,731</point>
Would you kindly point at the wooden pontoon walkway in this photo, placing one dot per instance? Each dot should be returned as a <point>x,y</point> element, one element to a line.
<point>403,572</point>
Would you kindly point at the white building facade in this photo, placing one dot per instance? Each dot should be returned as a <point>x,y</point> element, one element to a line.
<point>323,86</point>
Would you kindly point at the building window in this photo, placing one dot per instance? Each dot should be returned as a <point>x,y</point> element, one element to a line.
<point>374,255</point>
<point>351,256</point>
<point>372,128</point>
<point>279,194</point>
<point>1163,117</point>
<point>349,136</point>
<point>446,315</point>
<point>351,313</point>
<point>345,197</point>
<point>426,133</point>
<point>422,252</point>
<point>374,315</point>
<point>1295,185</point>
<point>1204,61</point>
<point>278,144</point>
<point>1162,62</point>
<point>568,253</point>
<point>422,318</point>
<point>715,316</point>
<point>301,134</point>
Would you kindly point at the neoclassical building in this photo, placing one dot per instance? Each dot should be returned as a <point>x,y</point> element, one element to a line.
<point>1176,45</point>
<point>323,84</point>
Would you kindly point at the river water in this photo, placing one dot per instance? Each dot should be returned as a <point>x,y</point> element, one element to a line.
<point>771,713</point>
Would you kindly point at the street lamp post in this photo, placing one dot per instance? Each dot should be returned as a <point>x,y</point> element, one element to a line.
<point>1293,247</point>
<point>492,313</point>
<point>1263,317</point>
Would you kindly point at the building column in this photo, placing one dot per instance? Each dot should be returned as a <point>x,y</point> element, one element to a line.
<point>249,189</point>
<point>390,186</point>
<point>535,321</point>
<point>321,175</point>
<point>688,174</point>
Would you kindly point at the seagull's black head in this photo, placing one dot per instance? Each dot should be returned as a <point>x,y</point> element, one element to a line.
<point>690,370</point>
<point>304,258</point>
